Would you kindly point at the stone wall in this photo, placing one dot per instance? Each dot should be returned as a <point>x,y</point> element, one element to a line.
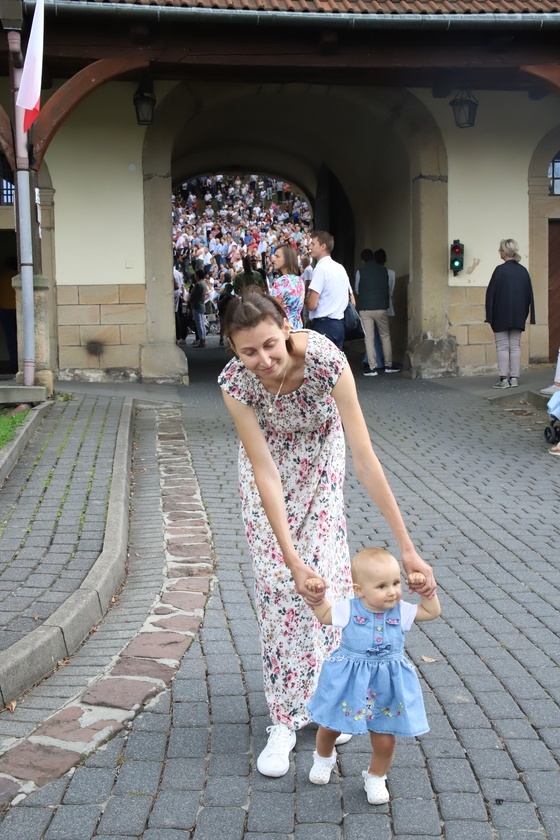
<point>101,328</point>
<point>476,350</point>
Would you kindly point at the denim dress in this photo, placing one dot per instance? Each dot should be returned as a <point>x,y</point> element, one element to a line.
<point>368,684</point>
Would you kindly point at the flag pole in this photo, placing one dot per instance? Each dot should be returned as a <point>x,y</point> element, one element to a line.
<point>23,201</point>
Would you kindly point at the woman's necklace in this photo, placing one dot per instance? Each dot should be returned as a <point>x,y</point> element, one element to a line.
<point>273,406</point>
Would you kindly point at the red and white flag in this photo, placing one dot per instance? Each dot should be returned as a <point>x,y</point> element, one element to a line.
<point>29,96</point>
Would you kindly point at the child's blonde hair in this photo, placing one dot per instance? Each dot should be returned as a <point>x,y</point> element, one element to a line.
<point>365,557</point>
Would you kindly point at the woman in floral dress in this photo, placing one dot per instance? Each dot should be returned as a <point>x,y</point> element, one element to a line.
<point>289,394</point>
<point>289,287</point>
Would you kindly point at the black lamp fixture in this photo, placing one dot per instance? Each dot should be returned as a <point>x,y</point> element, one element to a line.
<point>464,109</point>
<point>144,102</point>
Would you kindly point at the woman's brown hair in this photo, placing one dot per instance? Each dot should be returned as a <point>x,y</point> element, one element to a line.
<point>290,259</point>
<point>252,308</point>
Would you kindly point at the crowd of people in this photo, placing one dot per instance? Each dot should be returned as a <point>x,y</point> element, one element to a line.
<point>227,229</point>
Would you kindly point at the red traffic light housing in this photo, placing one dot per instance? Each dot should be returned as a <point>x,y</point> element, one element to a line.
<point>456,257</point>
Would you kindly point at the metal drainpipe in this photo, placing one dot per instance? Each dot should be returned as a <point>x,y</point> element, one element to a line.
<point>25,238</point>
<point>528,21</point>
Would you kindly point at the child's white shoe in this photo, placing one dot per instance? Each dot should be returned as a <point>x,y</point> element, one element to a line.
<point>322,768</point>
<point>375,788</point>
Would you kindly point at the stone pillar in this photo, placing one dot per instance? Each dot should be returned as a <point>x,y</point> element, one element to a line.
<point>431,351</point>
<point>160,358</point>
<point>43,364</point>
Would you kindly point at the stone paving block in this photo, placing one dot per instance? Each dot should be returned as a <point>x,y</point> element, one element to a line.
<point>228,738</point>
<point>317,831</point>
<point>89,786</point>
<point>152,722</point>
<point>175,809</point>
<point>233,793</point>
<point>220,822</point>
<point>188,743</point>
<point>226,684</point>
<point>73,822</point>
<point>138,777</point>
<point>409,783</point>
<point>108,754</point>
<point>442,748</point>
<point>318,803</point>
<point>184,774</point>
<point>117,692</point>
<point>503,789</point>
<point>480,739</point>
<point>452,775</point>
<point>551,819</point>
<point>191,691</point>
<point>38,763</point>
<point>459,806</point>
<point>531,755</point>
<point>191,714</point>
<point>544,787</point>
<point>163,834</point>
<point>411,816</point>
<point>25,823</point>
<point>145,746</point>
<point>362,826</point>
<point>229,709</point>
<point>125,815</point>
<point>271,812</point>
<point>229,765</point>
<point>465,830</point>
<point>492,764</point>
<point>518,816</point>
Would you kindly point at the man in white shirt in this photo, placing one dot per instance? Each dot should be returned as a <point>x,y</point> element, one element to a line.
<point>329,290</point>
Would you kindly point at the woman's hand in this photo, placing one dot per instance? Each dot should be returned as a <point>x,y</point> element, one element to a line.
<point>301,574</point>
<point>412,562</point>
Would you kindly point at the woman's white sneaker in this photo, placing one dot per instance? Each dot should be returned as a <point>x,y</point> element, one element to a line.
<point>322,768</point>
<point>375,788</point>
<point>274,760</point>
<point>343,738</point>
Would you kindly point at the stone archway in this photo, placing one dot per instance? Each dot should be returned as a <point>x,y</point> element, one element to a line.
<point>296,130</point>
<point>543,207</point>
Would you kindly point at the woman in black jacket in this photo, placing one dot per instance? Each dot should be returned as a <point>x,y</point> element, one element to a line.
<point>509,299</point>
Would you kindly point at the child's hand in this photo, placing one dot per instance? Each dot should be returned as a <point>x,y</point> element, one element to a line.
<point>315,585</point>
<point>415,580</point>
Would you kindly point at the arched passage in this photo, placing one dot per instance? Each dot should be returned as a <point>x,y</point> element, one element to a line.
<point>544,239</point>
<point>381,146</point>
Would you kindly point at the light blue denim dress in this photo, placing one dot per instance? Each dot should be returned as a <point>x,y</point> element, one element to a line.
<point>368,683</point>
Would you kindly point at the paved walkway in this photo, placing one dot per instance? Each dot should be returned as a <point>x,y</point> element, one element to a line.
<point>477,489</point>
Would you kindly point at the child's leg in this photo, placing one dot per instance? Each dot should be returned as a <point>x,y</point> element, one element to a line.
<point>324,743</point>
<point>383,750</point>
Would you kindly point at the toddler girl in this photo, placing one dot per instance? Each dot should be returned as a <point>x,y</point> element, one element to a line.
<point>368,684</point>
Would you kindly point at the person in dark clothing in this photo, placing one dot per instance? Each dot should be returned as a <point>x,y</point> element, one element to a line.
<point>509,300</point>
<point>248,277</point>
<point>197,299</point>
<point>372,288</point>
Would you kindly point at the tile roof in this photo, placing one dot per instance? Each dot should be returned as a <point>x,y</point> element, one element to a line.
<point>366,7</point>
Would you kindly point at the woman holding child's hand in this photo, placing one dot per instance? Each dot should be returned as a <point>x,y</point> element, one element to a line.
<point>290,394</point>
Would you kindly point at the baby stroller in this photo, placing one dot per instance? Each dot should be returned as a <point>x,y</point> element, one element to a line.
<point>552,432</point>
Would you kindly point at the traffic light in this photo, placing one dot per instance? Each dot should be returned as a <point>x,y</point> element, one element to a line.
<point>457,253</point>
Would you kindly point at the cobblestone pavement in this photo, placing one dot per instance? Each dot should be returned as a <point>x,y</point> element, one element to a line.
<point>54,506</point>
<point>477,490</point>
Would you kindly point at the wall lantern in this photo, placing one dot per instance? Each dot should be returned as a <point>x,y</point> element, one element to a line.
<point>144,102</point>
<point>464,109</point>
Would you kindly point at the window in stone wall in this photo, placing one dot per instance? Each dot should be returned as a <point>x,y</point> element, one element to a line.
<point>554,175</point>
<point>6,182</point>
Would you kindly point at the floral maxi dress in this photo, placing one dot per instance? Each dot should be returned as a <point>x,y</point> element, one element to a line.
<point>304,434</point>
